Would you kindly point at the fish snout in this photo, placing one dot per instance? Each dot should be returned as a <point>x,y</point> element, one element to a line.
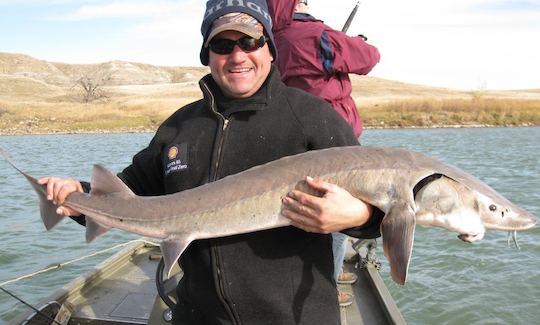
<point>516,222</point>
<point>529,221</point>
<point>471,237</point>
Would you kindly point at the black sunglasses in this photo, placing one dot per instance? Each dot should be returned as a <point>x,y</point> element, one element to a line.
<point>246,43</point>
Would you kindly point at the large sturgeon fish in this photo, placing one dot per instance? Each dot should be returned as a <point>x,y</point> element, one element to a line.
<point>410,188</point>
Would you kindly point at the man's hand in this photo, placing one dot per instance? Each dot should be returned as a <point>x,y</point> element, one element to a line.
<point>336,210</point>
<point>58,190</point>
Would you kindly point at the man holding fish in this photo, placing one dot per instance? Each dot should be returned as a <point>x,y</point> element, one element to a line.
<point>248,117</point>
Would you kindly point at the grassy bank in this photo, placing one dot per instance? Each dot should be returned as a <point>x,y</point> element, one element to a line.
<point>122,111</point>
<point>43,97</point>
<point>452,112</point>
<point>132,115</point>
<point>81,118</point>
<point>29,106</point>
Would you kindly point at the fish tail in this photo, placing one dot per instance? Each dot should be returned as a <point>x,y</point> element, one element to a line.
<point>47,209</point>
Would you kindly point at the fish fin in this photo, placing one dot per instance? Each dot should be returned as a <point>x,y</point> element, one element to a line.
<point>47,209</point>
<point>172,248</point>
<point>105,182</point>
<point>398,236</point>
<point>94,230</point>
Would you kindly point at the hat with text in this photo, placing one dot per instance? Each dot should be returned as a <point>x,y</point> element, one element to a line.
<point>236,21</point>
<point>249,17</point>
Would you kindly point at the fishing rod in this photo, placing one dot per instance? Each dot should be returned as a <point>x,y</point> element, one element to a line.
<point>351,17</point>
<point>30,306</point>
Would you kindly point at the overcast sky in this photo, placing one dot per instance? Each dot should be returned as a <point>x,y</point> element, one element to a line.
<point>465,44</point>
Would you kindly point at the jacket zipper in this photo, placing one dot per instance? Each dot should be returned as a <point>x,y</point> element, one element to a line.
<point>225,123</point>
<point>213,177</point>
<point>217,163</point>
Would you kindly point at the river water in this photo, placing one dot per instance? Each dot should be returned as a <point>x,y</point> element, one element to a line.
<point>449,282</point>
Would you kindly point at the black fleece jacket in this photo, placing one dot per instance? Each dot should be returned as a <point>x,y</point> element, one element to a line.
<point>278,276</point>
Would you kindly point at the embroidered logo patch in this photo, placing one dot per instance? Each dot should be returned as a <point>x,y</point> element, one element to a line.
<point>173,152</point>
<point>176,159</point>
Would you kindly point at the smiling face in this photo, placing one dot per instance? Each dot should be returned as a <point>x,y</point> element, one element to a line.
<point>240,74</point>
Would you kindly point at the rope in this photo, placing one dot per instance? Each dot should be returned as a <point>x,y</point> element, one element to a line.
<point>57,266</point>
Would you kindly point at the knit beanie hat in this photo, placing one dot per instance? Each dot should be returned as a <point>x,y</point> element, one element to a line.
<point>257,9</point>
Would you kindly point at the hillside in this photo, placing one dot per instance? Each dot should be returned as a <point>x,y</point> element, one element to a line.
<point>42,96</point>
<point>122,73</point>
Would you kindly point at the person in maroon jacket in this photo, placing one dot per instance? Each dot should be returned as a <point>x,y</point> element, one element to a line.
<point>318,59</point>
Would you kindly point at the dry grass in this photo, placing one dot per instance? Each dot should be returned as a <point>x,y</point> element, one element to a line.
<point>143,108</point>
<point>450,112</point>
<point>125,110</point>
<point>36,102</point>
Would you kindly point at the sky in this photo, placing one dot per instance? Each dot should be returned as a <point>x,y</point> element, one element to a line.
<point>461,44</point>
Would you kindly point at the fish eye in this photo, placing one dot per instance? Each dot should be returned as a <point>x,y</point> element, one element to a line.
<point>493,207</point>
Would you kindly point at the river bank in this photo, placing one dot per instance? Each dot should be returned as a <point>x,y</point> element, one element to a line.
<point>26,132</point>
<point>145,115</point>
<point>39,97</point>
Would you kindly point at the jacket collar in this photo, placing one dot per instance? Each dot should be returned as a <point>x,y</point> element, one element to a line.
<point>218,102</point>
<point>304,17</point>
